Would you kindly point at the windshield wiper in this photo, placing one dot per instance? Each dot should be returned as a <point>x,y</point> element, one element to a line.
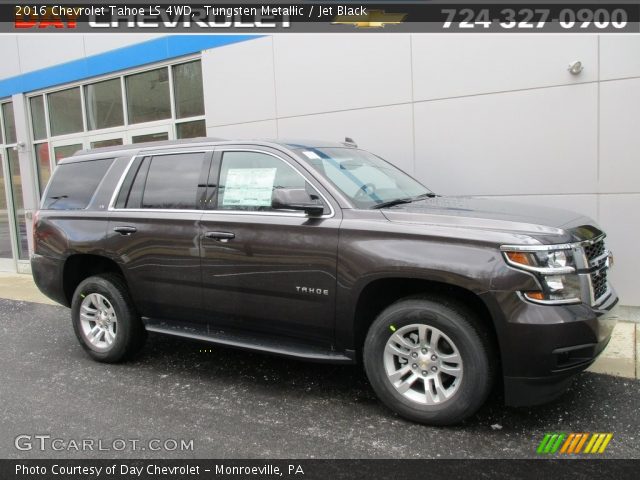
<point>391,203</point>
<point>400,201</point>
<point>424,195</point>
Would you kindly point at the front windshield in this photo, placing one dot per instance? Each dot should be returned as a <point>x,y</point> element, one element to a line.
<point>367,180</point>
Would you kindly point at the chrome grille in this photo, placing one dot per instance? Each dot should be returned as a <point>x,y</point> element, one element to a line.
<point>599,283</point>
<point>594,251</point>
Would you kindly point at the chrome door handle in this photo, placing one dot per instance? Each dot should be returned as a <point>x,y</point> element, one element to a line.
<point>125,231</point>
<point>220,236</point>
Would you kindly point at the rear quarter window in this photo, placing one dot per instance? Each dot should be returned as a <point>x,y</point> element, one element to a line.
<point>73,184</point>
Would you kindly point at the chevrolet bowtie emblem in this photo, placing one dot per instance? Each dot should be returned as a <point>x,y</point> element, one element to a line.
<point>373,19</point>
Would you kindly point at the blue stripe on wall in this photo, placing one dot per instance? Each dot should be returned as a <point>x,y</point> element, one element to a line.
<point>135,55</point>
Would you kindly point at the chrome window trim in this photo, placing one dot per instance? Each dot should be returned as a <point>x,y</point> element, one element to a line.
<point>116,191</point>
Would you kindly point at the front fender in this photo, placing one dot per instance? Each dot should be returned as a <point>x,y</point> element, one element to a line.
<point>366,255</point>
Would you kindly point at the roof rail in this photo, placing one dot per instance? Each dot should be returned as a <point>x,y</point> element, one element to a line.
<point>158,143</point>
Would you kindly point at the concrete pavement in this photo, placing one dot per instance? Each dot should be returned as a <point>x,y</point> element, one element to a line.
<point>15,286</point>
<point>621,358</point>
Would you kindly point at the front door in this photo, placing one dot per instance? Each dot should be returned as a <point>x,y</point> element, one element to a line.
<point>154,228</point>
<point>267,270</point>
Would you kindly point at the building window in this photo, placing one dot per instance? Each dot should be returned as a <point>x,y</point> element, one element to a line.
<point>148,97</point>
<point>188,93</point>
<point>161,103</point>
<point>104,104</point>
<point>43,164</point>
<point>65,111</point>
<point>113,142</point>
<point>38,119</point>
<point>66,151</point>
<point>193,129</point>
<point>9,122</point>
<point>150,137</point>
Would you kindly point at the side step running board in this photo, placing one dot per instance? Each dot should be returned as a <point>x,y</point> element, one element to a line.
<point>259,343</point>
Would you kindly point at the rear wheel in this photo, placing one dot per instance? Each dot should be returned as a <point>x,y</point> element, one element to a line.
<point>105,320</point>
<point>429,360</point>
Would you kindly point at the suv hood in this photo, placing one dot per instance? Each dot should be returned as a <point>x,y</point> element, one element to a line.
<point>548,225</point>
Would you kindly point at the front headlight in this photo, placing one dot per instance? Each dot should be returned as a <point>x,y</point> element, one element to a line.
<point>555,271</point>
<point>557,259</point>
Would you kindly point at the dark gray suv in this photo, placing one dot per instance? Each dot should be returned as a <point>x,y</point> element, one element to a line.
<point>325,252</point>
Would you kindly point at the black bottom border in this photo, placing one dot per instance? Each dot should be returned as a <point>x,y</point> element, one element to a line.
<point>122,469</point>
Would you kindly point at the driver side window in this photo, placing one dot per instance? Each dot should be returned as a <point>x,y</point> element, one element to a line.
<point>248,179</point>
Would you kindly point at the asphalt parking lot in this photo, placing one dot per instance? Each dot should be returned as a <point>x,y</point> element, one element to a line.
<point>236,404</point>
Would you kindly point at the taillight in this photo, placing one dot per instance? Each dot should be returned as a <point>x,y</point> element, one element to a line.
<point>34,222</point>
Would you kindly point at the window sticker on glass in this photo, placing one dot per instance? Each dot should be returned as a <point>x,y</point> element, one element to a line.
<point>249,187</point>
<point>311,155</point>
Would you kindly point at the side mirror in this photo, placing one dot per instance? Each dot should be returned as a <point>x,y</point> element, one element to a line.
<point>295,199</point>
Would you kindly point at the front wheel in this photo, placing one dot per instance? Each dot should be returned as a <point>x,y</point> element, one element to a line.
<point>105,320</point>
<point>429,360</point>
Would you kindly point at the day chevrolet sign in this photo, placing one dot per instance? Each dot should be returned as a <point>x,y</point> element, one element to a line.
<point>372,19</point>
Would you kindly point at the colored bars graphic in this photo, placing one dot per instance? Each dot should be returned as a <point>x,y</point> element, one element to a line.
<point>574,443</point>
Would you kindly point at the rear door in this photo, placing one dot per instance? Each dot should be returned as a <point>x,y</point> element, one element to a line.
<point>154,230</point>
<point>266,270</point>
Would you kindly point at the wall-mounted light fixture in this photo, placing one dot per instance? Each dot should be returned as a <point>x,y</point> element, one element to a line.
<point>575,67</point>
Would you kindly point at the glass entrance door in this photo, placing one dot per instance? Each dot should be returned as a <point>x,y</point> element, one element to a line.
<point>6,227</point>
<point>15,193</point>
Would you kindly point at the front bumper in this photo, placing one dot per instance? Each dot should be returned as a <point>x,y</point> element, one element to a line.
<point>543,347</point>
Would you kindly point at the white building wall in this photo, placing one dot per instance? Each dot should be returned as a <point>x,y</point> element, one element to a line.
<point>485,115</point>
<point>28,52</point>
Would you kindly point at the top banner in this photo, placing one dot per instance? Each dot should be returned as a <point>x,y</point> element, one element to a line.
<point>327,16</point>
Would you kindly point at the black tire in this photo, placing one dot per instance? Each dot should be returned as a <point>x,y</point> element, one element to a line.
<point>130,334</point>
<point>473,344</point>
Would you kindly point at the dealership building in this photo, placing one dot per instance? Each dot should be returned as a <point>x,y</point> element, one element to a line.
<point>485,115</point>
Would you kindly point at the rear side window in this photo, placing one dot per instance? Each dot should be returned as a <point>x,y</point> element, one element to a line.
<point>167,182</point>
<point>172,181</point>
<point>73,184</point>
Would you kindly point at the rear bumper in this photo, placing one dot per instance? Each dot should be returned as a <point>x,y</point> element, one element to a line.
<point>543,347</point>
<point>47,275</point>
